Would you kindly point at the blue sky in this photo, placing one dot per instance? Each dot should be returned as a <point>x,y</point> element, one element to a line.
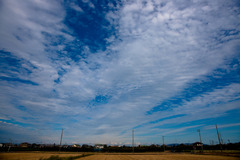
<point>99,69</point>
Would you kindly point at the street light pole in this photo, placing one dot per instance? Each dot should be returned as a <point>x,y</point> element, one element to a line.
<point>163,144</point>
<point>200,139</point>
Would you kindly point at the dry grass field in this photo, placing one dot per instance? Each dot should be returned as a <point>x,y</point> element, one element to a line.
<point>159,157</point>
<point>120,156</point>
<point>35,155</point>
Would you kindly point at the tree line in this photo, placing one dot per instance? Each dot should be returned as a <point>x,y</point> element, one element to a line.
<point>106,148</point>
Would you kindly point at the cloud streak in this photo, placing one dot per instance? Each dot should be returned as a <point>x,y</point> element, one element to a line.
<point>101,70</point>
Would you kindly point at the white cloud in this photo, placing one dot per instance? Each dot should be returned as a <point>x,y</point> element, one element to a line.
<point>159,49</point>
<point>89,3</point>
<point>222,126</point>
<point>76,7</point>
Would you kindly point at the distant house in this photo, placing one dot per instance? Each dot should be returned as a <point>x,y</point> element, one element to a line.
<point>197,144</point>
<point>99,147</point>
<point>66,146</point>
<point>25,145</point>
<point>115,146</point>
<point>76,146</point>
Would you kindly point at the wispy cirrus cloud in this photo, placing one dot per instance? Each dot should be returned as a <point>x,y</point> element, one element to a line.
<point>100,70</point>
<point>223,126</point>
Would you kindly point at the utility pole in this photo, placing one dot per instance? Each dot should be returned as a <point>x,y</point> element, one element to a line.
<point>61,141</point>
<point>163,144</point>
<point>200,139</point>
<point>10,144</point>
<point>219,139</point>
<point>133,140</point>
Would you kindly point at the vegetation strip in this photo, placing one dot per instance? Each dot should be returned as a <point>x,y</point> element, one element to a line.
<point>65,158</point>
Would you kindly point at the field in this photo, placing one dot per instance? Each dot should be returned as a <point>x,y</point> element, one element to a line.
<point>120,156</point>
<point>34,155</point>
<point>158,157</point>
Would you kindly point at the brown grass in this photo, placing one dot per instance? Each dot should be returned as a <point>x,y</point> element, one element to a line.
<point>115,156</point>
<point>159,157</point>
<point>35,155</point>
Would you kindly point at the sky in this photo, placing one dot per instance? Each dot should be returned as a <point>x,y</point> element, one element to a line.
<point>99,69</point>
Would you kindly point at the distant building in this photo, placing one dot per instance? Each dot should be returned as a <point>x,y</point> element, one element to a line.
<point>99,146</point>
<point>197,144</point>
<point>66,146</point>
<point>76,146</point>
<point>25,145</point>
<point>115,146</point>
